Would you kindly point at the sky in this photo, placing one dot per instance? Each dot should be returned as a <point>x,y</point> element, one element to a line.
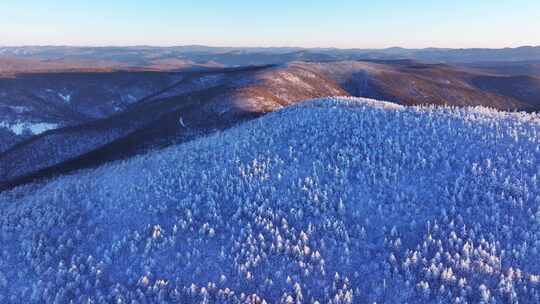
<point>303,23</point>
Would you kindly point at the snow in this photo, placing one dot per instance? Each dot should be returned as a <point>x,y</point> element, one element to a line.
<point>335,200</point>
<point>129,98</point>
<point>38,128</point>
<point>65,97</point>
<point>34,128</point>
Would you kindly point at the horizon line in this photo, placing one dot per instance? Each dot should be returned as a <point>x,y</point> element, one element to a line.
<point>262,47</point>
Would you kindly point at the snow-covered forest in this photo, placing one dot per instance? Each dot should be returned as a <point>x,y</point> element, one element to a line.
<point>329,201</point>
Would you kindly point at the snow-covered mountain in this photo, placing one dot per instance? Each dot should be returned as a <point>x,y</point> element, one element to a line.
<point>335,200</point>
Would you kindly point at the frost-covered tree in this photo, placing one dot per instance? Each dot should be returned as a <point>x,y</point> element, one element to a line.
<point>330,201</point>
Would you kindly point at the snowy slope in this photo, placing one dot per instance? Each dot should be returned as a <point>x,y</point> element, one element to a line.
<point>19,128</point>
<point>15,131</point>
<point>329,201</point>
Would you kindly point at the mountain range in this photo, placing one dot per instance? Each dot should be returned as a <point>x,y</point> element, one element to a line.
<point>269,175</point>
<point>57,119</point>
<point>65,58</point>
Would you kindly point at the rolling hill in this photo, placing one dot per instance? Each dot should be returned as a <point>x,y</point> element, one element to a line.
<point>412,83</point>
<point>197,105</point>
<point>111,116</point>
<point>519,68</point>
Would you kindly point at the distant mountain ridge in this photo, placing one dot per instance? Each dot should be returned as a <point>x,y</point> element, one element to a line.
<point>32,58</point>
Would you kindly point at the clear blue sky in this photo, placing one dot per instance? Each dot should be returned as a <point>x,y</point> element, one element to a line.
<point>309,23</point>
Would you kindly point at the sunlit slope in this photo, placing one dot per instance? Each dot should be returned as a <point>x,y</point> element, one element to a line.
<point>333,200</point>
